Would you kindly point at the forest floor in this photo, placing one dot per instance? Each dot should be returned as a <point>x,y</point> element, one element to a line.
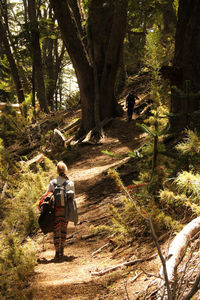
<point>74,277</point>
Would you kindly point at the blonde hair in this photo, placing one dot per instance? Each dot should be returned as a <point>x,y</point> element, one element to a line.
<point>62,169</point>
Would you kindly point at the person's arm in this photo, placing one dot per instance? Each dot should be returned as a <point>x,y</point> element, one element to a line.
<point>50,187</point>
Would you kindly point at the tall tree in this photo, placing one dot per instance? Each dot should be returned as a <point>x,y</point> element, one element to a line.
<point>186,66</point>
<point>36,56</point>
<point>95,65</point>
<point>53,51</point>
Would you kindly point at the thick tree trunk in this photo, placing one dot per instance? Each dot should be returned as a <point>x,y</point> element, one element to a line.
<point>80,61</point>
<point>186,66</point>
<point>13,66</point>
<point>95,66</point>
<point>50,71</point>
<point>113,56</point>
<point>106,48</point>
<point>37,59</point>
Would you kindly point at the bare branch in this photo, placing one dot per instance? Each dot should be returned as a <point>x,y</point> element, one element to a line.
<point>194,289</point>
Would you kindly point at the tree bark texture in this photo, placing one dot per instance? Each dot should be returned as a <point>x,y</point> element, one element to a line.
<point>96,64</point>
<point>186,65</point>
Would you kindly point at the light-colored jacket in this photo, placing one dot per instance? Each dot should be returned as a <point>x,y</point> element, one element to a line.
<point>70,207</point>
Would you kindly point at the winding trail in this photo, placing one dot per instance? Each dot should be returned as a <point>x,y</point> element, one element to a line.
<point>72,278</point>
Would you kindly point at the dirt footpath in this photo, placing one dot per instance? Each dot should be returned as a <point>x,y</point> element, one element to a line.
<point>72,278</point>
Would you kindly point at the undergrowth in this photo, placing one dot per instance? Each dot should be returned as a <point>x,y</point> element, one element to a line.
<point>167,188</point>
<point>13,126</point>
<point>175,202</point>
<point>17,258</point>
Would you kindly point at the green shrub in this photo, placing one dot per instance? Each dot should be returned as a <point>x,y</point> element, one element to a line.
<point>17,264</point>
<point>17,258</point>
<point>12,126</point>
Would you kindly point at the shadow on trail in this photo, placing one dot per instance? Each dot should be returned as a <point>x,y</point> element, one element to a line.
<point>127,133</point>
<point>65,258</point>
<point>78,290</point>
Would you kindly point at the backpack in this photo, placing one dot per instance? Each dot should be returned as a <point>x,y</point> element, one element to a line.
<point>47,215</point>
<point>61,194</point>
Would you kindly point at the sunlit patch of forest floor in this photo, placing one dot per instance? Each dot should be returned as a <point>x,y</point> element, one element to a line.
<point>73,277</point>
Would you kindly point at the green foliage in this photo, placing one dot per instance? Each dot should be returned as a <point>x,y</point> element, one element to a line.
<point>24,196</point>
<point>110,153</point>
<point>154,52</point>
<point>12,126</point>
<point>3,158</point>
<point>155,56</point>
<point>17,264</point>
<point>6,82</point>
<point>155,133</point>
<point>131,213</point>
<point>190,144</point>
<point>189,150</point>
<point>174,200</point>
<point>189,183</point>
<point>20,206</point>
<point>183,199</point>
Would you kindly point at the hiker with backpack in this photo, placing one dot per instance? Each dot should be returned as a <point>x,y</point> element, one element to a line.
<point>130,102</point>
<point>64,207</point>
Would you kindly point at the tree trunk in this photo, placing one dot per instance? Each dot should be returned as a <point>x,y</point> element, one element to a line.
<point>79,60</point>
<point>169,16</point>
<point>52,53</point>
<point>96,65</point>
<point>36,56</point>
<point>52,62</point>
<point>186,65</point>
<point>13,66</point>
<point>106,30</point>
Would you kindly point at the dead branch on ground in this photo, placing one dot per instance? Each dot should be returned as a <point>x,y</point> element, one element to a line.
<point>125,264</point>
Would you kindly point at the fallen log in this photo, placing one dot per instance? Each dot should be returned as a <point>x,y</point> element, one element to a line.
<point>178,245</point>
<point>72,125</point>
<point>85,237</point>
<point>37,159</point>
<point>19,150</point>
